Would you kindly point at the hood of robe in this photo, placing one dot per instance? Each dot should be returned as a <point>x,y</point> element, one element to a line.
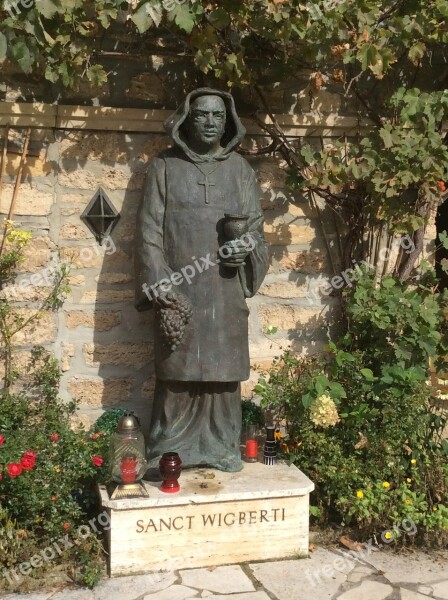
<point>233,133</point>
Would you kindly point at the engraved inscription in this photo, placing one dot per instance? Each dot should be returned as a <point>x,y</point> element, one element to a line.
<point>227,519</point>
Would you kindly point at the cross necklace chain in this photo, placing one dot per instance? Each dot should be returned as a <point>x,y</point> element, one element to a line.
<point>206,183</point>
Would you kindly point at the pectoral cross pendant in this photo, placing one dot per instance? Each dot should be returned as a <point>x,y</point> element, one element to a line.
<point>207,184</point>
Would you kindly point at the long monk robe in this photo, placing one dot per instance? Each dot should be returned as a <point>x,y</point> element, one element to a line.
<point>197,402</point>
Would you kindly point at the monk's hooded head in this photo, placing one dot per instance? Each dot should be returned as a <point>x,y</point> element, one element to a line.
<point>206,126</point>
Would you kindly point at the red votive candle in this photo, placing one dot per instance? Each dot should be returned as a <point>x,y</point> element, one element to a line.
<point>251,449</point>
<point>128,470</point>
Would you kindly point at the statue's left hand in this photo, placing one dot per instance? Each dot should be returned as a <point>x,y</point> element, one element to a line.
<point>166,300</point>
<point>235,252</point>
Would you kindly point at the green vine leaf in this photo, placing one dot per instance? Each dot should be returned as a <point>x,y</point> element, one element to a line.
<point>48,8</point>
<point>3,47</point>
<point>417,52</point>
<point>219,18</point>
<point>183,18</point>
<point>142,18</point>
<point>96,74</point>
<point>443,237</point>
<point>21,53</point>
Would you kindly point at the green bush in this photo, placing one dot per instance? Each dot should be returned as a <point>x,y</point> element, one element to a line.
<point>361,422</point>
<point>48,470</point>
<point>252,414</point>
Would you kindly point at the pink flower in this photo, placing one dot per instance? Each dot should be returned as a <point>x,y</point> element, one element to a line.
<point>14,469</point>
<point>54,437</point>
<point>2,440</point>
<point>28,460</point>
<point>97,461</point>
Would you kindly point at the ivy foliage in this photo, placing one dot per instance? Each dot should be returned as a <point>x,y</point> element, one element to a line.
<point>408,151</point>
<point>61,38</point>
<point>388,58</point>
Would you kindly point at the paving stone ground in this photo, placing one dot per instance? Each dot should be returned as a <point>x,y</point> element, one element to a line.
<point>328,574</point>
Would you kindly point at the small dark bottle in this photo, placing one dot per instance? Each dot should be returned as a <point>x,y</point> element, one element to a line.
<point>270,452</point>
<point>170,467</point>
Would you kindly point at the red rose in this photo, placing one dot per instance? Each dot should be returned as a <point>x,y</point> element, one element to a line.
<point>97,461</point>
<point>28,460</point>
<point>54,437</point>
<point>14,469</point>
<point>2,440</point>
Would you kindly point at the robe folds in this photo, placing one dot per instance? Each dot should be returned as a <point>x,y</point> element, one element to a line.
<point>179,236</point>
<point>182,234</point>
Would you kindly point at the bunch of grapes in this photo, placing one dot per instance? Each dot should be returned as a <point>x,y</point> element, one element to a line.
<point>173,318</point>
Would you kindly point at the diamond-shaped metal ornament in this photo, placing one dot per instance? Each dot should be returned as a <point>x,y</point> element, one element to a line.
<point>100,216</point>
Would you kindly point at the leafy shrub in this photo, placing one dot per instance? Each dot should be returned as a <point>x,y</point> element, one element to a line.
<point>48,471</point>
<point>360,418</point>
<point>252,414</point>
<point>108,421</point>
<point>397,322</point>
<point>11,540</point>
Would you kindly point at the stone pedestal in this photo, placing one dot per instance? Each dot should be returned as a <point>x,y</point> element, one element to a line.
<point>217,518</point>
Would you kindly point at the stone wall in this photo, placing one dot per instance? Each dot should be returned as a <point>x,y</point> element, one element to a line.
<point>104,345</point>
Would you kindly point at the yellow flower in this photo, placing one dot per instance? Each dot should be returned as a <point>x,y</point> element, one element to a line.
<point>386,484</point>
<point>57,469</point>
<point>360,494</point>
<point>278,435</point>
<point>407,501</point>
<point>408,480</point>
<point>434,508</point>
<point>413,461</point>
<point>388,535</point>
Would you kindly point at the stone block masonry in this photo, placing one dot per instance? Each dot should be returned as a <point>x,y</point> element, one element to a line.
<point>104,345</point>
<point>255,514</point>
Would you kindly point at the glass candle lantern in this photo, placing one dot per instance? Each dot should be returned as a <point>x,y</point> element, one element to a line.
<point>250,438</point>
<point>127,459</point>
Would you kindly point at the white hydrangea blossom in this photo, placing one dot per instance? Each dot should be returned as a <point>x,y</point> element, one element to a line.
<point>323,412</point>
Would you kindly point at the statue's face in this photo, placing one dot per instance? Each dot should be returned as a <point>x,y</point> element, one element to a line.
<point>206,122</point>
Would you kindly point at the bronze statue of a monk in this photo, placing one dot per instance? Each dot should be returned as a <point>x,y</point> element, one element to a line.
<point>197,281</point>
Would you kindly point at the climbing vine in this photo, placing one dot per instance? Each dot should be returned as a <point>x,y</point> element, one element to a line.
<point>386,58</point>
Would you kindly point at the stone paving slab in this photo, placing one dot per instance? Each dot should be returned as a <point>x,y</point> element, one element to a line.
<point>426,590</point>
<point>222,580</point>
<point>440,589</point>
<point>68,594</point>
<point>360,572</point>
<point>326,575</point>
<point>368,590</point>
<point>318,577</point>
<point>174,592</point>
<point>38,596</point>
<point>246,596</point>
<point>409,595</point>
<point>132,587</point>
<point>413,567</point>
